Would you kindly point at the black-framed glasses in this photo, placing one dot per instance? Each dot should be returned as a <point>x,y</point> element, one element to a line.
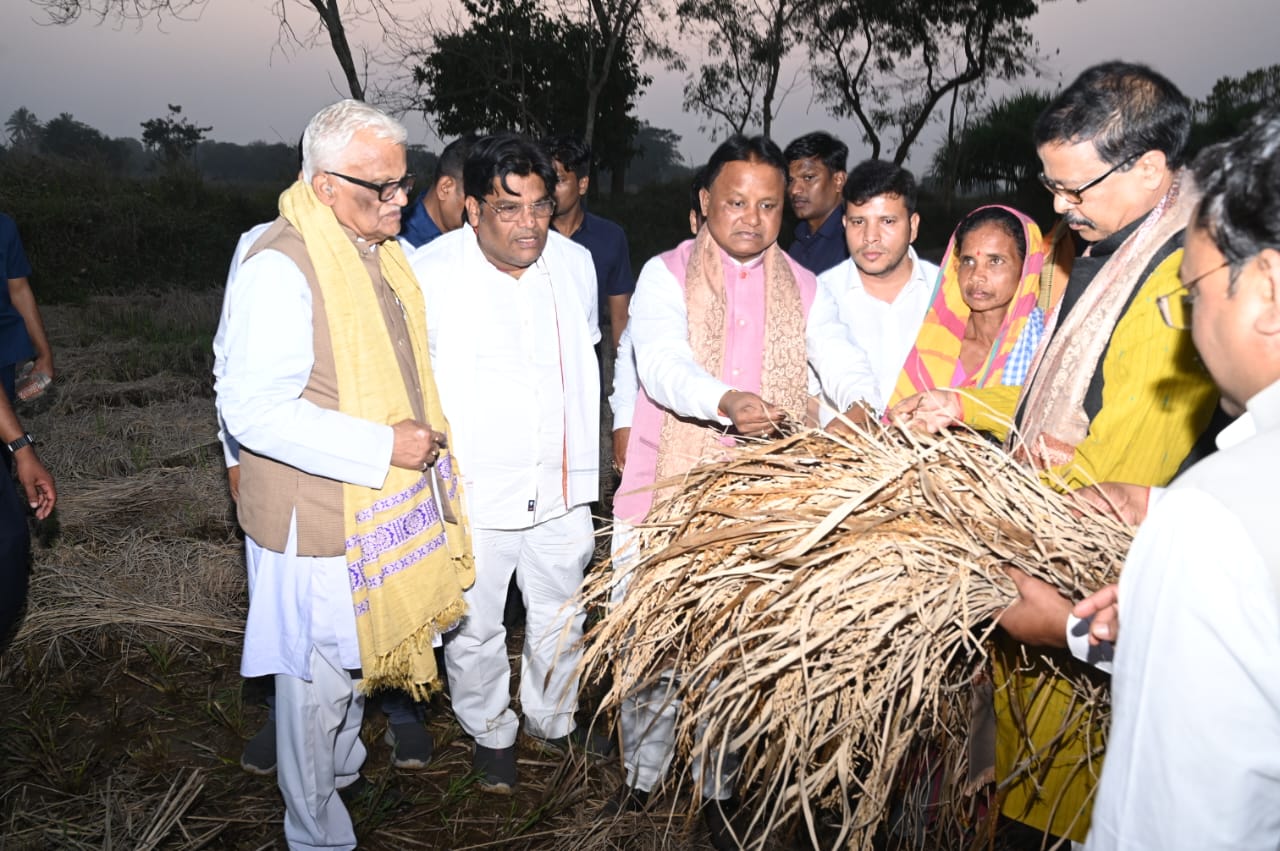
<point>1074,196</point>
<point>386,191</point>
<point>509,211</point>
<point>1175,307</point>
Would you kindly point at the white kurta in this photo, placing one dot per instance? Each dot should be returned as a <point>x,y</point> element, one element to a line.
<point>886,331</point>
<point>518,380</point>
<point>1193,757</point>
<point>672,377</point>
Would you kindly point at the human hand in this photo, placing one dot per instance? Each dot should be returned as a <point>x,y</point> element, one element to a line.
<point>1125,502</point>
<point>751,415</point>
<point>1039,616</point>
<point>857,415</point>
<point>415,446</point>
<point>36,481</point>
<point>233,482</point>
<point>930,411</point>
<point>35,379</point>
<point>1104,607</point>
<point>620,438</point>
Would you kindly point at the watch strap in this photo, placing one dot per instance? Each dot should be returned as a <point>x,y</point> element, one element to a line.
<point>25,440</point>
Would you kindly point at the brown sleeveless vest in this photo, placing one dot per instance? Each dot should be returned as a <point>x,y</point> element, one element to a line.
<point>271,491</point>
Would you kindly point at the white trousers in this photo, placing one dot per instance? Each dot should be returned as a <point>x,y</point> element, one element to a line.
<point>549,560</point>
<point>318,752</point>
<point>649,715</point>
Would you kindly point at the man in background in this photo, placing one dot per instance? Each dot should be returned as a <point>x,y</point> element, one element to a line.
<point>439,210</point>
<point>603,238</point>
<point>816,172</point>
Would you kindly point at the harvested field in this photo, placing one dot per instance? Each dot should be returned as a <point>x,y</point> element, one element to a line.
<point>124,711</point>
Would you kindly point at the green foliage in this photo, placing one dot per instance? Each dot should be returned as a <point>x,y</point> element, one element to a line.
<point>996,152</point>
<point>24,129</point>
<point>173,137</point>
<point>889,63</point>
<point>1232,102</point>
<point>87,231</point>
<point>657,158</point>
<point>746,44</point>
<point>69,139</point>
<point>514,67</point>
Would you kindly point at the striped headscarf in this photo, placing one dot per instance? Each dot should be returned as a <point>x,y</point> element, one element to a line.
<point>932,361</point>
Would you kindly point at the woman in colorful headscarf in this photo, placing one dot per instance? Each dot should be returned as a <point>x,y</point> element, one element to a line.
<point>983,325</point>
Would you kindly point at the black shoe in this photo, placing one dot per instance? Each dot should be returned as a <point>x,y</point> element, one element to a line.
<point>626,800</point>
<point>259,755</point>
<point>496,767</point>
<point>368,796</point>
<point>411,745</point>
<point>579,739</point>
<point>723,824</point>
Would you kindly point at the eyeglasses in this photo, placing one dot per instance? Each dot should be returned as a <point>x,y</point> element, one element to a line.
<point>1074,196</point>
<point>1175,307</point>
<point>509,211</point>
<point>386,191</point>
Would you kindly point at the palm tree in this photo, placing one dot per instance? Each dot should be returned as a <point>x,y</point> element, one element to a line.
<point>24,128</point>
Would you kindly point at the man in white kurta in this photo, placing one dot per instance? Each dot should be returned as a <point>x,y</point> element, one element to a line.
<point>301,621</point>
<point>511,314</point>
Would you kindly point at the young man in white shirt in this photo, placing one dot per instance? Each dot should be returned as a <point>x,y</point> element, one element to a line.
<point>884,289</point>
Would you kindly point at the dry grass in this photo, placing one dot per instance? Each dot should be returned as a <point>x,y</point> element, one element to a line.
<point>824,601</point>
<point>123,710</point>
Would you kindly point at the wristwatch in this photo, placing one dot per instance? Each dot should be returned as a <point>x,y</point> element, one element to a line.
<point>25,440</point>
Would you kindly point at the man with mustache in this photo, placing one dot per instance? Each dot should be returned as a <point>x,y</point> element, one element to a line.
<point>511,319</point>
<point>816,174</point>
<point>1115,394</point>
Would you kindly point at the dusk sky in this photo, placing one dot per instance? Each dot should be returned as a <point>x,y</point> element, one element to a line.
<point>226,69</point>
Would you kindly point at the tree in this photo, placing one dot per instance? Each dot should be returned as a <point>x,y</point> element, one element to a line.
<point>24,129</point>
<point>332,19</point>
<point>996,152</point>
<point>512,66</point>
<point>658,158</point>
<point>1232,102</point>
<point>889,63</point>
<point>70,139</point>
<point>746,43</point>
<point>173,138</point>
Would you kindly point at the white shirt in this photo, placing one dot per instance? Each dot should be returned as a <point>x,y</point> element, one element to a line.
<point>498,345</point>
<point>886,331</point>
<point>674,380</point>
<point>231,449</point>
<point>1193,758</point>
<point>626,384</point>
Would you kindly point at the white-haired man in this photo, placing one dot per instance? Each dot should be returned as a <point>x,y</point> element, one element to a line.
<point>356,546</point>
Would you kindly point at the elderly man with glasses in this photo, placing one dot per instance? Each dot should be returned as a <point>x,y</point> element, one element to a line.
<point>512,321</point>
<point>1114,394</point>
<point>355,536</point>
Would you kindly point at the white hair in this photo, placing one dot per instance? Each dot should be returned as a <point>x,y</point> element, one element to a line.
<point>331,129</point>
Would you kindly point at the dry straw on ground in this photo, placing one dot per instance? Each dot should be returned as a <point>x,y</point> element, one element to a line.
<point>825,600</point>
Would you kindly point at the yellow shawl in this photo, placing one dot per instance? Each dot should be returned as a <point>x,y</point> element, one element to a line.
<point>407,564</point>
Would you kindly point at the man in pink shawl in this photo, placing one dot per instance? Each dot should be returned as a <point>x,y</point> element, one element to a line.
<point>724,328</point>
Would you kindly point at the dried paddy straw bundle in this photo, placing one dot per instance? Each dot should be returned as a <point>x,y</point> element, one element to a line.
<point>825,600</point>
